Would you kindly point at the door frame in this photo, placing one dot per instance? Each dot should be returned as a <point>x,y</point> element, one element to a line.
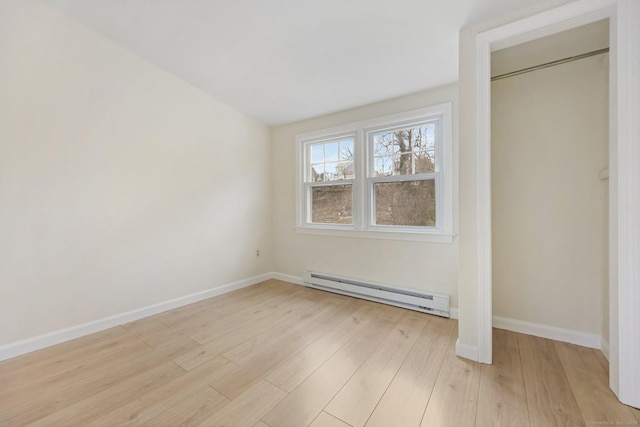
<point>624,174</point>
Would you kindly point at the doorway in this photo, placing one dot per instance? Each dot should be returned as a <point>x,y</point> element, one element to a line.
<point>624,176</point>
<point>549,188</point>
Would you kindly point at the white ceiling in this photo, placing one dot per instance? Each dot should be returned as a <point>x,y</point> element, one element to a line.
<point>284,60</point>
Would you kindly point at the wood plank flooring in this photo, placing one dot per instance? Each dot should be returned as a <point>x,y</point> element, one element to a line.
<point>277,355</point>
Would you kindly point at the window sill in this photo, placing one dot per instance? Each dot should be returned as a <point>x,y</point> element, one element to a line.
<point>424,236</point>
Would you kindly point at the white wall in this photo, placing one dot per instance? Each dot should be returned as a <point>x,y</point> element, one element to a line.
<point>417,265</point>
<point>120,185</point>
<point>549,206</point>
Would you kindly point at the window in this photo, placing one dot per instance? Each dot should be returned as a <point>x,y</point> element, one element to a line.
<point>389,177</point>
<point>329,181</point>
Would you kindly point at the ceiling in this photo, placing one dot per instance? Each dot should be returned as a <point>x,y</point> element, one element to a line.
<point>280,61</point>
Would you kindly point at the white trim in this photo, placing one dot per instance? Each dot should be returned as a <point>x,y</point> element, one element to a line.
<point>424,236</point>
<point>453,313</point>
<point>624,182</point>
<point>550,22</point>
<point>527,29</point>
<point>483,189</point>
<point>297,280</point>
<point>466,351</point>
<point>546,331</point>
<point>56,337</point>
<point>624,334</point>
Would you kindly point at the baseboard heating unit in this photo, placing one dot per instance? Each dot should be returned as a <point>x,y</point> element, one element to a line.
<point>427,302</point>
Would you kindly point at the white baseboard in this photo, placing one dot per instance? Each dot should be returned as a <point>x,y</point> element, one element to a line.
<point>466,351</point>
<point>56,337</point>
<point>288,278</point>
<point>551,332</point>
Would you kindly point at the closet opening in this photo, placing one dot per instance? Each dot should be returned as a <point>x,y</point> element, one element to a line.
<point>549,186</point>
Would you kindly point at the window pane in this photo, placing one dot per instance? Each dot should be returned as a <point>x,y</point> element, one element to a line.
<point>317,172</point>
<point>331,171</point>
<point>424,162</point>
<point>424,137</point>
<point>331,161</point>
<point>384,144</point>
<point>346,150</point>
<point>345,170</point>
<point>404,164</point>
<point>317,153</point>
<point>332,204</point>
<point>409,148</point>
<point>331,152</point>
<point>408,203</point>
<point>383,166</point>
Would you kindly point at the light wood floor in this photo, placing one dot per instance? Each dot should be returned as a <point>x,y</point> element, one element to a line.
<point>277,354</point>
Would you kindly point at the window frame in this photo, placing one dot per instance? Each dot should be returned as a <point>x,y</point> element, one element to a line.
<point>308,185</point>
<point>363,190</point>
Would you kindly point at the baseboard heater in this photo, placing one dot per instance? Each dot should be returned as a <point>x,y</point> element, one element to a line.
<point>428,302</point>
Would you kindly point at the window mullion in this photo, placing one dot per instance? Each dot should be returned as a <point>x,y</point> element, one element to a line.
<point>330,183</point>
<point>367,166</point>
<point>400,178</point>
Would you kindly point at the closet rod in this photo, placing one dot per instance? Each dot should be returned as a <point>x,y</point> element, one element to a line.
<point>550,64</point>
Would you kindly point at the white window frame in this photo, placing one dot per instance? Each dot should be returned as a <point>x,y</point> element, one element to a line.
<point>307,185</point>
<point>363,206</point>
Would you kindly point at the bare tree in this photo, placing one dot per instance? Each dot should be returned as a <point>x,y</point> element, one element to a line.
<point>408,148</point>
